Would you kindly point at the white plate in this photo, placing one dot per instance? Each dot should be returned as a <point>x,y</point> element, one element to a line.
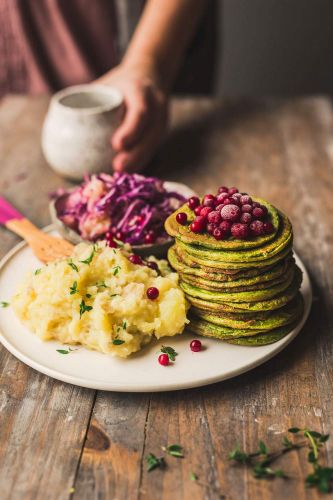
<point>141,372</point>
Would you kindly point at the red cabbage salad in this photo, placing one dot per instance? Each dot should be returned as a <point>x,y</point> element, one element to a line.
<point>128,207</point>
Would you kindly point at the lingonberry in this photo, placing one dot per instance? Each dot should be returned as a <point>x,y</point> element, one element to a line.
<point>163,359</point>
<point>135,259</point>
<point>152,293</point>
<point>193,202</point>
<point>214,217</point>
<point>240,231</point>
<point>231,212</point>
<point>246,218</point>
<point>181,218</point>
<point>195,345</point>
<point>257,227</point>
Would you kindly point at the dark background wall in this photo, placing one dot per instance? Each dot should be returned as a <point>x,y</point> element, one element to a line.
<point>276,47</point>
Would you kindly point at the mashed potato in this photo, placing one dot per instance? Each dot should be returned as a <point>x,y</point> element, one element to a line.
<point>101,303</point>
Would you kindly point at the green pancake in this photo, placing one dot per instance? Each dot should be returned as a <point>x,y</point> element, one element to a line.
<point>253,275</point>
<point>265,280</point>
<point>206,241</point>
<point>247,296</point>
<point>264,338</point>
<point>272,248</point>
<point>274,319</point>
<point>214,265</point>
<point>249,307</point>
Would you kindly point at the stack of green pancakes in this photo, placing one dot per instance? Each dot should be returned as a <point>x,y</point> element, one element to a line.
<point>245,292</point>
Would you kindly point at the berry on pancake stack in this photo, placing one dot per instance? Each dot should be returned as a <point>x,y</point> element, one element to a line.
<point>233,253</point>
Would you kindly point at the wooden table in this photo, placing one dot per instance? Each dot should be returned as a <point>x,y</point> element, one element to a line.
<point>56,437</point>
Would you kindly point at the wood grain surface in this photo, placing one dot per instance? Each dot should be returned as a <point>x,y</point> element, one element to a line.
<point>58,441</point>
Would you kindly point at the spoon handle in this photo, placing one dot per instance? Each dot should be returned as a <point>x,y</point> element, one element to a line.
<point>16,222</point>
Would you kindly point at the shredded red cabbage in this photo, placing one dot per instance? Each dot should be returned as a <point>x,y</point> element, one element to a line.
<point>130,205</point>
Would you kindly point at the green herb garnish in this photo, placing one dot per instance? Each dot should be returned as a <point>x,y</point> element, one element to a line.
<point>170,352</point>
<point>153,462</point>
<point>193,476</point>
<point>64,351</point>
<point>101,284</point>
<point>124,325</point>
<point>38,271</point>
<point>88,295</point>
<point>116,270</point>
<point>4,304</point>
<point>84,308</point>
<point>118,342</point>
<point>175,450</point>
<point>73,266</point>
<point>73,289</point>
<point>114,295</point>
<point>89,260</point>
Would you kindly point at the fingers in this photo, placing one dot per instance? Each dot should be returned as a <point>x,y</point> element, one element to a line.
<point>137,157</point>
<point>137,115</point>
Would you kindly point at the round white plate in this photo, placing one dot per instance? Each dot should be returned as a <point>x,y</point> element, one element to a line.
<point>141,372</point>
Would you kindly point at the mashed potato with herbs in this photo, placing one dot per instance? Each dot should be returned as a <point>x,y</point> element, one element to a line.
<point>98,299</point>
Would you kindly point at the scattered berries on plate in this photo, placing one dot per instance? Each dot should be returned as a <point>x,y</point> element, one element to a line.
<point>195,345</point>
<point>152,293</point>
<point>163,359</point>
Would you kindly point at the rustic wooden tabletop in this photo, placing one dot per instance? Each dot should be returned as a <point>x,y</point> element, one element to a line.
<point>58,440</point>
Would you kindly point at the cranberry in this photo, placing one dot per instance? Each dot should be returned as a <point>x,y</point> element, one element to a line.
<point>225,226</point>
<point>135,259</point>
<point>152,265</point>
<point>219,207</point>
<point>150,237</point>
<point>222,196</point>
<point>198,225</point>
<point>198,209</point>
<point>219,234</point>
<point>257,227</point>
<point>227,201</point>
<point>246,218</point>
<point>268,228</point>
<point>246,208</point>
<point>205,211</point>
<point>208,200</point>
<point>214,217</point>
<point>264,209</point>
<point>193,202</point>
<point>240,231</point>
<point>210,228</point>
<point>222,189</point>
<point>119,236</point>
<point>113,230</point>
<point>231,212</point>
<point>235,200</point>
<point>195,345</point>
<point>258,212</point>
<point>181,218</point>
<point>152,293</point>
<point>255,204</point>
<point>110,241</point>
<point>232,190</point>
<point>245,199</point>
<point>163,359</point>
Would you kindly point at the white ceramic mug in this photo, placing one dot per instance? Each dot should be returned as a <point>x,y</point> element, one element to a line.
<point>76,136</point>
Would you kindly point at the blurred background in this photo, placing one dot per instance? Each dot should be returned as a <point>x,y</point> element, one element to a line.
<point>275,47</point>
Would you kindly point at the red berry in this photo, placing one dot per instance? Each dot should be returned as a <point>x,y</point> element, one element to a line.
<point>219,234</point>
<point>198,225</point>
<point>222,196</point>
<point>268,228</point>
<point>227,201</point>
<point>193,202</point>
<point>152,265</point>
<point>135,259</point>
<point>150,237</point>
<point>257,227</point>
<point>222,189</point>
<point>214,217</point>
<point>195,345</point>
<point>225,226</point>
<point>205,211</point>
<point>208,200</point>
<point>219,207</point>
<point>163,359</point>
<point>240,231</point>
<point>246,218</point>
<point>245,199</point>
<point>210,228</point>
<point>119,236</point>
<point>152,293</point>
<point>258,212</point>
<point>255,204</point>
<point>181,218</point>
<point>232,190</point>
<point>264,209</point>
<point>235,200</point>
<point>246,208</point>
<point>231,212</point>
<point>198,209</point>
<point>110,241</point>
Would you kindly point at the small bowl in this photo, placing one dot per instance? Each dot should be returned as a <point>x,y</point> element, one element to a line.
<point>157,249</point>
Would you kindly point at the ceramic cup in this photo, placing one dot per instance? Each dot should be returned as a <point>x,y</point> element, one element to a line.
<point>78,128</point>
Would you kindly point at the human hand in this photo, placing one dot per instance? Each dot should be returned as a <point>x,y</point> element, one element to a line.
<point>145,117</point>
